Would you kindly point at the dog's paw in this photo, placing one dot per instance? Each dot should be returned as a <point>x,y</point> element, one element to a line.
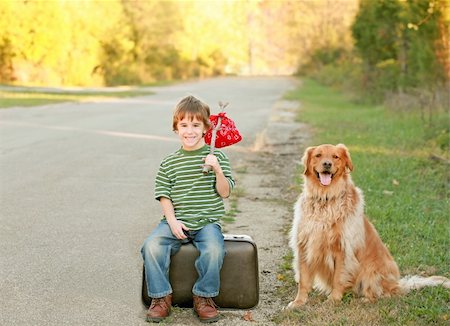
<point>368,299</point>
<point>335,297</point>
<point>365,300</point>
<point>294,305</point>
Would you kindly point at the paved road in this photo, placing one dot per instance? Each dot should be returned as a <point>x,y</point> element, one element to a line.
<point>76,197</point>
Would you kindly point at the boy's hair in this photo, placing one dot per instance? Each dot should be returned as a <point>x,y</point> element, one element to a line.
<point>192,108</point>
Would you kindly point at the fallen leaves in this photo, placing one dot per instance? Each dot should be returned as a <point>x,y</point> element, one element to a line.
<point>248,316</point>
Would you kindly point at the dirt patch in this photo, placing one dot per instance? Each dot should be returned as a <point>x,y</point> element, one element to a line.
<point>267,178</point>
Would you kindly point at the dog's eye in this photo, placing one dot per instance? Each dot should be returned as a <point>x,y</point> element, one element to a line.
<point>335,156</point>
<point>318,155</point>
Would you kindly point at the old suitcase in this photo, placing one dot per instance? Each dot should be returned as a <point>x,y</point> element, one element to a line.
<point>239,279</point>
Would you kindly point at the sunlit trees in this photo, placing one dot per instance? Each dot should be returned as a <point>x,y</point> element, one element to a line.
<point>400,44</point>
<point>321,26</point>
<point>54,42</point>
<point>141,48</point>
<point>30,47</point>
<point>116,42</point>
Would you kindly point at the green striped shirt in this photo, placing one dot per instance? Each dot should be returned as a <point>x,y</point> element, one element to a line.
<point>193,194</point>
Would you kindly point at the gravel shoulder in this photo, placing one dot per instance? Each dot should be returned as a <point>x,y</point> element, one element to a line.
<point>267,176</point>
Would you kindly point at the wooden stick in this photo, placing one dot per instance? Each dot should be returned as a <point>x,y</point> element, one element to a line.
<point>207,168</point>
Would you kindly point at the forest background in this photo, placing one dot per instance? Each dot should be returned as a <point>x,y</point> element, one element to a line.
<point>374,49</point>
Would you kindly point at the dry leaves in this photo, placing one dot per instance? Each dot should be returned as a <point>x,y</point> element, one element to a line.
<point>248,316</point>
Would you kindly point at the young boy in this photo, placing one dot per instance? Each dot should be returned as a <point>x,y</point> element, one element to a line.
<point>192,204</point>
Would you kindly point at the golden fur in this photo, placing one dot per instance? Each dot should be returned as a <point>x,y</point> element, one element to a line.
<point>335,247</point>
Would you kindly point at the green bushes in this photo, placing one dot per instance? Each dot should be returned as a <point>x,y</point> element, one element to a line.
<point>401,48</point>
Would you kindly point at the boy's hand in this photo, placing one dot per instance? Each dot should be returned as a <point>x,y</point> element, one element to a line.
<point>212,161</point>
<point>178,229</point>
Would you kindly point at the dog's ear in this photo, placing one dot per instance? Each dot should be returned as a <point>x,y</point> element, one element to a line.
<point>307,158</point>
<point>346,156</point>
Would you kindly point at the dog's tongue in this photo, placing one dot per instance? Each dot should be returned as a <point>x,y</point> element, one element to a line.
<point>325,178</point>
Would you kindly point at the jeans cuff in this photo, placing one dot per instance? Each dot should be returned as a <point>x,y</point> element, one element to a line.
<point>205,295</point>
<point>159,295</point>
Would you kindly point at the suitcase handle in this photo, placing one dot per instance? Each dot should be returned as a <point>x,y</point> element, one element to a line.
<point>237,237</point>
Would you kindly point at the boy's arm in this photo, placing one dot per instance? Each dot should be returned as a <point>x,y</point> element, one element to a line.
<point>175,225</point>
<point>222,184</point>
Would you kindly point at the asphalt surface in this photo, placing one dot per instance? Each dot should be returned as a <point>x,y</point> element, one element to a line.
<point>76,197</point>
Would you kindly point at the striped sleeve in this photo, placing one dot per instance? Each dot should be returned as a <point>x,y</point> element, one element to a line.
<point>163,185</point>
<point>226,168</point>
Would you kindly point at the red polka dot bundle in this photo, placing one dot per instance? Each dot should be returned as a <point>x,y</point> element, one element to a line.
<point>227,134</point>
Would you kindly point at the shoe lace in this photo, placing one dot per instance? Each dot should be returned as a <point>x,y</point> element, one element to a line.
<point>158,302</point>
<point>207,302</point>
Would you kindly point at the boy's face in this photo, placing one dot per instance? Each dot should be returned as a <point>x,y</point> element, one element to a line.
<point>190,130</point>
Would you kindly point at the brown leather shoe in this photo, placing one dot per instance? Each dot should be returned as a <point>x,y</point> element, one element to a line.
<point>206,309</point>
<point>159,309</point>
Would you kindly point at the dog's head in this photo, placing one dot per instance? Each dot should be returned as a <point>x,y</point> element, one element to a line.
<point>326,163</point>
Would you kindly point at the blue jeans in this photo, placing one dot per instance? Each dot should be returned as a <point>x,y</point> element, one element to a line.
<point>161,244</point>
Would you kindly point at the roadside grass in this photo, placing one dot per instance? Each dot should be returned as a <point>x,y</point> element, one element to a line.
<point>232,206</point>
<point>29,96</point>
<point>233,211</point>
<point>407,199</point>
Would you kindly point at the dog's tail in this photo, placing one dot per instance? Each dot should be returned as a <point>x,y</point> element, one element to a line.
<point>415,282</point>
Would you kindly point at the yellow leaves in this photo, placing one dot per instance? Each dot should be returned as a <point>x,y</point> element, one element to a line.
<point>386,63</point>
<point>430,12</point>
<point>248,316</point>
<point>390,192</point>
<point>413,26</point>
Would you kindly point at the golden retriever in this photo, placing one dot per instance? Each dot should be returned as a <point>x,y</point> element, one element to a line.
<point>335,247</point>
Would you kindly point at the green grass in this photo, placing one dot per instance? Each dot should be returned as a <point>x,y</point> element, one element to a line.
<point>233,211</point>
<point>29,96</point>
<point>406,195</point>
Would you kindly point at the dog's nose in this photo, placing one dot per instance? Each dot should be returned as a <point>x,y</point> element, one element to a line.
<point>326,165</point>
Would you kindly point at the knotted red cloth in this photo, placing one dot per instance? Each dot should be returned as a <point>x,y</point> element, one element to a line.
<point>227,134</point>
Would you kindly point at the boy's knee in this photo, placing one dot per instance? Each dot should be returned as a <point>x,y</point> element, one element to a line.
<point>215,249</point>
<point>151,246</point>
